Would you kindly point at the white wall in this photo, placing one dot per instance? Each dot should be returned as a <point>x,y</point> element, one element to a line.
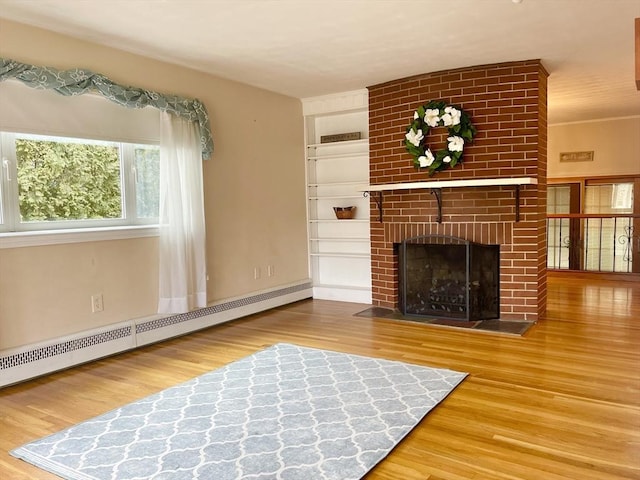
<point>615,143</point>
<point>255,205</point>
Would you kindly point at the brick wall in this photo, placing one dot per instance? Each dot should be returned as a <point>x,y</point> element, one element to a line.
<point>507,105</point>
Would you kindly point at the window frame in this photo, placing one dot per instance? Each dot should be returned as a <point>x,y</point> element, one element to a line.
<point>578,206</point>
<point>12,228</point>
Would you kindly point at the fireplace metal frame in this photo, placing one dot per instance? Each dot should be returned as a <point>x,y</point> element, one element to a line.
<point>445,240</point>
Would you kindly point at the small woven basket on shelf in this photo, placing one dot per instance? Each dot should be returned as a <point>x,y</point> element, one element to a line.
<point>343,213</point>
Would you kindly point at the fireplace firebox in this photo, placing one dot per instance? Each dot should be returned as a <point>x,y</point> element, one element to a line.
<point>449,278</point>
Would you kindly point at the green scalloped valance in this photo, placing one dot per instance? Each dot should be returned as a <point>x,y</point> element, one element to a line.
<point>78,81</point>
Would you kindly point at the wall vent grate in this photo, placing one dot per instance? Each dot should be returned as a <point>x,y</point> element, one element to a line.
<point>61,348</point>
<point>222,307</point>
<point>91,340</point>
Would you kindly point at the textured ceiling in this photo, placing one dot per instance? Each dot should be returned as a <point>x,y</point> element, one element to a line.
<point>304,48</point>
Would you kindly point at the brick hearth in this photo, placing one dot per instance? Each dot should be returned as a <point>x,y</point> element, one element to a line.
<point>507,103</point>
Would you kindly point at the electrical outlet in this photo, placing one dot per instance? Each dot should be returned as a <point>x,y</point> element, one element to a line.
<point>256,273</point>
<point>96,303</point>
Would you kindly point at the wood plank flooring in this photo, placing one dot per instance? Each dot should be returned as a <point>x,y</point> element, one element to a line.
<point>561,402</point>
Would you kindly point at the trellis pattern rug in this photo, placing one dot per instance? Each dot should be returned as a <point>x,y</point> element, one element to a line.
<point>286,412</point>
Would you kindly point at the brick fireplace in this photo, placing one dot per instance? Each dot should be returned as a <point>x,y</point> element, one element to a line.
<point>507,103</point>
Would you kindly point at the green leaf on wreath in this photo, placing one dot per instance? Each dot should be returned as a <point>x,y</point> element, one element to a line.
<point>464,129</point>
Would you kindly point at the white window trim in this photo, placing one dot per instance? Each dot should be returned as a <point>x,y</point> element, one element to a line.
<point>27,110</point>
<point>51,232</point>
<point>75,235</point>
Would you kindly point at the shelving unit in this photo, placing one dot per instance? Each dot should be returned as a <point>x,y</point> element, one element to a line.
<point>339,249</point>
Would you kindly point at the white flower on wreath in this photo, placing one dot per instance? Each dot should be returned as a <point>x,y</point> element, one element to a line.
<point>435,114</point>
<point>427,159</point>
<point>414,137</point>
<point>456,144</point>
<point>432,117</point>
<point>454,115</point>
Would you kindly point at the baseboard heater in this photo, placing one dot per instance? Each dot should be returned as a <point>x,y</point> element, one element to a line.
<point>30,361</point>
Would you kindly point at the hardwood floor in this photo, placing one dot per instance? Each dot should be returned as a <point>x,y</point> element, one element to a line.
<point>561,402</point>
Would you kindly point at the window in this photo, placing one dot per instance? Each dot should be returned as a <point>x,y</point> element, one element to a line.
<point>609,241</point>
<point>592,225</point>
<point>60,182</point>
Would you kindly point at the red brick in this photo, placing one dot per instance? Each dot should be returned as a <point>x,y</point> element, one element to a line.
<point>507,103</point>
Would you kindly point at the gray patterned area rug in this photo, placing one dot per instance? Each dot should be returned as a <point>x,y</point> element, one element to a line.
<point>286,412</point>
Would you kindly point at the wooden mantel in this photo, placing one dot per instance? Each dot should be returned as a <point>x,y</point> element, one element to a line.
<point>436,189</point>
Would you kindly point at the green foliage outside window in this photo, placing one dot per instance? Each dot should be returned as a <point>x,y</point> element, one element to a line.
<point>68,181</point>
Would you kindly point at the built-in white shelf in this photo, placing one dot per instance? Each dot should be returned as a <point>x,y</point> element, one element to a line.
<point>339,249</point>
<point>351,287</point>
<point>362,141</point>
<point>340,239</point>
<point>337,184</point>
<point>335,220</point>
<point>340,255</point>
<point>437,186</point>
<point>338,156</point>
<point>334,197</point>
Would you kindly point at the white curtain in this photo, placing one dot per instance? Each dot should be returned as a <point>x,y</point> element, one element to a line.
<point>182,230</point>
